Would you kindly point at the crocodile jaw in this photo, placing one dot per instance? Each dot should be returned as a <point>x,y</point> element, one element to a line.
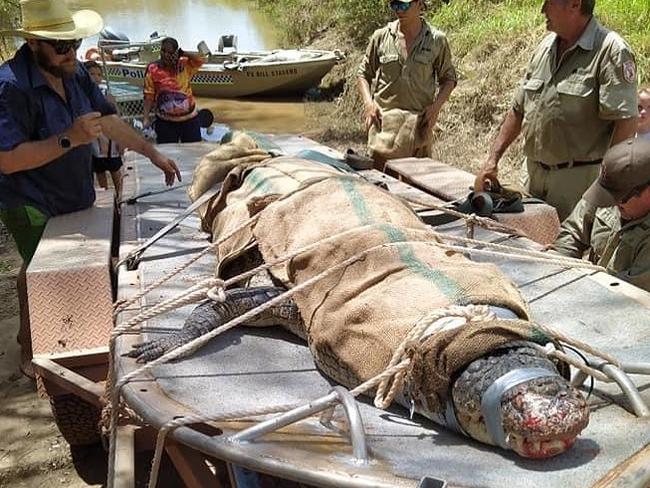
<point>540,423</point>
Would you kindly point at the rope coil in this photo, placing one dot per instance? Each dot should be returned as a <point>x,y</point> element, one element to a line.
<point>431,323</point>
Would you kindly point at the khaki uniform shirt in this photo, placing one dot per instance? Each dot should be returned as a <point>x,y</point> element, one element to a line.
<point>623,250</point>
<point>569,104</point>
<point>409,84</point>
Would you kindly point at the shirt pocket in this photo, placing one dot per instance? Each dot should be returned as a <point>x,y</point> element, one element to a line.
<point>390,67</point>
<point>532,93</point>
<point>576,97</point>
<point>423,74</point>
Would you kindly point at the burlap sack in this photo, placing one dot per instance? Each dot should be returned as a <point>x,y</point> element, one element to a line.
<point>248,191</point>
<point>213,168</point>
<point>446,353</point>
<point>356,318</point>
<point>400,136</point>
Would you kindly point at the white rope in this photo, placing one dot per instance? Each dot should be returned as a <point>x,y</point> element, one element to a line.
<point>214,288</point>
<point>544,260</point>
<point>127,303</point>
<point>116,389</point>
<point>470,219</point>
<point>194,419</point>
<point>425,326</point>
<point>564,261</point>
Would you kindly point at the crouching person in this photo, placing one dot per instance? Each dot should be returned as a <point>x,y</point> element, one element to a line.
<point>612,221</point>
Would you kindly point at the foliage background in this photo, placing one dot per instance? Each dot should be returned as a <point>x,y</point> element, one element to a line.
<point>491,41</point>
<point>9,12</point>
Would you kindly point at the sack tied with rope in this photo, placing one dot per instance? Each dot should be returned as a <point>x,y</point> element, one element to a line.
<point>355,319</point>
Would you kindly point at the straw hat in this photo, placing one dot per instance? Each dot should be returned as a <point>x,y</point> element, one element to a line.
<point>51,19</point>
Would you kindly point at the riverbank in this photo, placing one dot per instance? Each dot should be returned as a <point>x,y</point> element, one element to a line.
<point>491,42</point>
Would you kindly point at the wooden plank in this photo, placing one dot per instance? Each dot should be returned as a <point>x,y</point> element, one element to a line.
<point>434,177</point>
<point>191,466</point>
<point>634,473</point>
<point>68,380</point>
<point>399,188</point>
<point>125,457</point>
<point>538,221</point>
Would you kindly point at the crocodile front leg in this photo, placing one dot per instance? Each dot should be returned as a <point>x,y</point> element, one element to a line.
<point>209,316</point>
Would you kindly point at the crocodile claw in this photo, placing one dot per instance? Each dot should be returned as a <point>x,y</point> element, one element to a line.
<point>150,350</point>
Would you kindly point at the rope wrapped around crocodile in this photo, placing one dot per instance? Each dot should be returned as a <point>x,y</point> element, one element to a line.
<point>476,377</point>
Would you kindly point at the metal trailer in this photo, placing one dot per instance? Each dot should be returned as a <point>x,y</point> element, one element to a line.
<point>366,447</point>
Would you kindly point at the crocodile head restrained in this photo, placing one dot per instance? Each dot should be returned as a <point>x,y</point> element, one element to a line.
<point>537,415</point>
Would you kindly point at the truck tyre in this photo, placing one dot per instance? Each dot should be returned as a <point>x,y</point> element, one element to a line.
<point>77,419</point>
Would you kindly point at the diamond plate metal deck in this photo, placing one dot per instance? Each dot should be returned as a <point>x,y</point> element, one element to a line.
<point>69,283</point>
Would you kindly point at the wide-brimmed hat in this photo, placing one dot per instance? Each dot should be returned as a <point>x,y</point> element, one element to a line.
<point>51,19</point>
<point>625,168</point>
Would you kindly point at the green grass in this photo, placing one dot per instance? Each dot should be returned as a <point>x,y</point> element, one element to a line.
<point>470,24</point>
<point>9,13</point>
<point>504,20</point>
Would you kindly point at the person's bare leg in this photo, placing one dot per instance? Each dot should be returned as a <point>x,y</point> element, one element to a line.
<point>24,332</point>
<point>117,176</point>
<point>102,180</point>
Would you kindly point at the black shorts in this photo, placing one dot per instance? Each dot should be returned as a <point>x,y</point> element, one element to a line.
<point>106,164</point>
<point>185,131</point>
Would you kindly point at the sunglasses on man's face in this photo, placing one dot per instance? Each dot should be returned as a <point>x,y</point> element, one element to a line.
<point>400,6</point>
<point>63,47</point>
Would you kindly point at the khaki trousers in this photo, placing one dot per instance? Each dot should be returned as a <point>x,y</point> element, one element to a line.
<point>560,188</point>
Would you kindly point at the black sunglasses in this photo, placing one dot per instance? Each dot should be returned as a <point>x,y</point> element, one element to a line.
<point>62,47</point>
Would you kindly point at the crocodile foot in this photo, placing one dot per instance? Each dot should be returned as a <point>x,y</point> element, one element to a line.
<point>150,350</point>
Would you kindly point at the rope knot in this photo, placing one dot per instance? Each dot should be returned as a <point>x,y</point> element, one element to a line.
<point>477,313</point>
<point>408,356</point>
<point>218,292</point>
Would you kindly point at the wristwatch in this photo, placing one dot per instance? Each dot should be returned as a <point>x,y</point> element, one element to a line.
<point>64,142</point>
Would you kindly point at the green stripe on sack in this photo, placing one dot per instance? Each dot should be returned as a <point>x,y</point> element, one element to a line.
<point>259,182</point>
<point>448,286</point>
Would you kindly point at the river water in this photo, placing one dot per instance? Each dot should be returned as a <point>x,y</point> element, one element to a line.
<point>191,21</point>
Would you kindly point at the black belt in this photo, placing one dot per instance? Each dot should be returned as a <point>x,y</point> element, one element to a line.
<point>574,164</point>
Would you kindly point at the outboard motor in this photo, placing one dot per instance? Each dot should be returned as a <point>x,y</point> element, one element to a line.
<point>227,43</point>
<point>109,34</point>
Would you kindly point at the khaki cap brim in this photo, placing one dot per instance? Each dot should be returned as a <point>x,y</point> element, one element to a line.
<point>597,196</point>
<point>85,23</point>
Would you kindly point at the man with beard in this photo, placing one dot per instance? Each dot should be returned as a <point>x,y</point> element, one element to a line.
<point>577,97</point>
<point>167,87</point>
<point>50,112</point>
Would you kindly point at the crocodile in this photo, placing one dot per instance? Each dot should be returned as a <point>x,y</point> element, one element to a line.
<point>367,308</point>
<point>541,417</point>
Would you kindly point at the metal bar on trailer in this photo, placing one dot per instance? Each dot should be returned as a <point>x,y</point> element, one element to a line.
<point>69,380</point>
<point>288,418</point>
<point>353,416</point>
<point>636,367</point>
<point>628,387</point>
